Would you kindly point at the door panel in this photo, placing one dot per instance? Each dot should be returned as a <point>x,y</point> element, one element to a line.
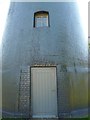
<point>43,92</point>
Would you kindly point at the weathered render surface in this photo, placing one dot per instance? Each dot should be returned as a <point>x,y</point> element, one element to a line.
<point>62,45</point>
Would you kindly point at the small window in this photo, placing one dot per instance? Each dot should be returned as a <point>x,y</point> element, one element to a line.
<point>41,19</point>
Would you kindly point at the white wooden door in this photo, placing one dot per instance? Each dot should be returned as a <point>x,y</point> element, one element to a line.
<point>43,92</point>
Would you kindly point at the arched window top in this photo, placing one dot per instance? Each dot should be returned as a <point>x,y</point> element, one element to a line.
<point>41,19</point>
<point>41,12</point>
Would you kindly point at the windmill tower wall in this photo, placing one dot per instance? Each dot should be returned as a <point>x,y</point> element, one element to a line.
<point>61,44</point>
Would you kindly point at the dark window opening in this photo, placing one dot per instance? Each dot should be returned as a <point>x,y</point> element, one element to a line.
<point>41,19</point>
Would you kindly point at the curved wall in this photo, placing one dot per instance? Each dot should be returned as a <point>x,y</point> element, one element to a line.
<point>62,44</point>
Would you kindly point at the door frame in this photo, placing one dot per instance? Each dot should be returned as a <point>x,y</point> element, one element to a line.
<point>42,66</point>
